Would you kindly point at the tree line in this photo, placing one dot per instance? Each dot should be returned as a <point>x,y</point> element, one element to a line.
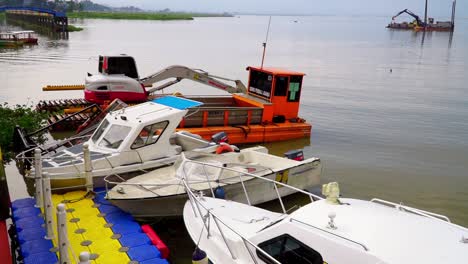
<point>58,5</point>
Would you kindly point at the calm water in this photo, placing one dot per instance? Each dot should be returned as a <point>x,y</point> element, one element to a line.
<point>389,108</point>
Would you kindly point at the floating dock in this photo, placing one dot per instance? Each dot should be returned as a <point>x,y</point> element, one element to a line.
<point>93,225</point>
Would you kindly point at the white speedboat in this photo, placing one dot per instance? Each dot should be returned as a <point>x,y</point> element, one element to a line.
<point>128,142</point>
<point>161,193</point>
<point>331,230</point>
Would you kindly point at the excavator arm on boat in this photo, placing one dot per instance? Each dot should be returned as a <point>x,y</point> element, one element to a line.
<point>416,17</point>
<point>181,72</point>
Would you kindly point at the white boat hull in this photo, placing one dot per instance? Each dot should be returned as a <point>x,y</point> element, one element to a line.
<point>304,176</point>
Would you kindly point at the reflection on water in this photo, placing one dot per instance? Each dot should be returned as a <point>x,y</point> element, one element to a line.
<point>388,108</point>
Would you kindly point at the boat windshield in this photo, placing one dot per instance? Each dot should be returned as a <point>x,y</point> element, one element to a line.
<point>115,136</point>
<point>102,127</point>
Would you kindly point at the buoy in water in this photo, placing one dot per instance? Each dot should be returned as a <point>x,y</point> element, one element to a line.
<point>199,257</point>
<point>220,193</point>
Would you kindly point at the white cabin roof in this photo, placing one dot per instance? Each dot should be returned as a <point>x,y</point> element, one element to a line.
<point>143,113</point>
<point>392,235</point>
<point>21,32</point>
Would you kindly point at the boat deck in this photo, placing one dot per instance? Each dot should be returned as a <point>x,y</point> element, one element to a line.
<point>93,225</point>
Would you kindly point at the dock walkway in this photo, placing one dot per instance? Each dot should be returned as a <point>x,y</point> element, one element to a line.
<point>93,225</point>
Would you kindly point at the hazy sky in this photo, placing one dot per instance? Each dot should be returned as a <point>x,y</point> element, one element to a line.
<point>377,7</point>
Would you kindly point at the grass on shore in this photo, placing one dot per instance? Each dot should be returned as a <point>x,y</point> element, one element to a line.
<point>143,16</point>
<point>72,28</point>
<point>132,16</point>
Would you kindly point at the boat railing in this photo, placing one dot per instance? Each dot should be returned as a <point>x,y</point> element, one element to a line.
<point>196,204</point>
<point>331,233</point>
<point>26,159</point>
<point>51,147</point>
<point>240,174</point>
<point>244,174</point>
<point>412,210</point>
<point>434,216</point>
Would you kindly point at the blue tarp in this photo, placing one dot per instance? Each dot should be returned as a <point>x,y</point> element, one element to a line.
<point>177,102</point>
<point>36,9</point>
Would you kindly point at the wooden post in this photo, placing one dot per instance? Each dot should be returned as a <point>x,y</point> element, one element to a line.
<point>454,4</point>
<point>47,194</point>
<point>62,234</point>
<point>425,15</point>
<point>88,167</point>
<point>38,178</point>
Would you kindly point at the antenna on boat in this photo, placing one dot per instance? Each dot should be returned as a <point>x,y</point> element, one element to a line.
<point>266,40</point>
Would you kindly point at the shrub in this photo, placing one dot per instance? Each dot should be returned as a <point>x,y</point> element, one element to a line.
<point>24,116</point>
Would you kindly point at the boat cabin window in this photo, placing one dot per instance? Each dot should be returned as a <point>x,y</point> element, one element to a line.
<point>119,65</point>
<point>115,136</point>
<point>294,91</point>
<point>288,250</point>
<point>102,127</point>
<point>281,86</point>
<point>260,83</point>
<point>149,134</point>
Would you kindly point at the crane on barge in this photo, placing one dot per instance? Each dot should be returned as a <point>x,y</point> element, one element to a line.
<point>417,21</point>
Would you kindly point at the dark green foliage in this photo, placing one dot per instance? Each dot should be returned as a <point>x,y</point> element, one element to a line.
<point>22,115</point>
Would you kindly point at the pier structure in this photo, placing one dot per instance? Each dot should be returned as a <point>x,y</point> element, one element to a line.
<point>45,18</point>
<point>79,226</point>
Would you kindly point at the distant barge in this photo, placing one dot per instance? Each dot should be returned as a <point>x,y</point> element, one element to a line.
<point>428,24</point>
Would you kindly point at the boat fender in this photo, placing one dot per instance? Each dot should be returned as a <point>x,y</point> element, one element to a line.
<point>156,241</point>
<point>199,257</point>
<point>223,148</point>
<point>220,193</point>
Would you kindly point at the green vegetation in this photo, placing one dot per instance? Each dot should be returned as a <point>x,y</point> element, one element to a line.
<point>21,115</point>
<point>133,16</point>
<point>2,15</point>
<point>72,28</point>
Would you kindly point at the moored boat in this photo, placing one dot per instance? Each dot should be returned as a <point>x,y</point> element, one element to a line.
<point>161,192</point>
<point>127,142</point>
<point>20,37</point>
<point>331,230</point>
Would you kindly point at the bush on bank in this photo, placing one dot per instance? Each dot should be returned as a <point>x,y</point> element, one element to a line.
<point>22,115</point>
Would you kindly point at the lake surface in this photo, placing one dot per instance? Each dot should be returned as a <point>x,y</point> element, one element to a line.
<point>389,109</point>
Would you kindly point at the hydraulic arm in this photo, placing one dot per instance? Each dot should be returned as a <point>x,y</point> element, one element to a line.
<point>181,72</point>
<point>416,17</point>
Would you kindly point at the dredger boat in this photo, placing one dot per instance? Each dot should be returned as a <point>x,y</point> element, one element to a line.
<point>265,110</point>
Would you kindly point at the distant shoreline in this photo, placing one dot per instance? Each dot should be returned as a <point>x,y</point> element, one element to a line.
<point>142,16</point>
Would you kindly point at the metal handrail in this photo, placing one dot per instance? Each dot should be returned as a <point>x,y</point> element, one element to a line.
<point>331,233</point>
<point>442,218</point>
<point>242,175</point>
<point>411,209</point>
<point>73,161</point>
<point>218,220</point>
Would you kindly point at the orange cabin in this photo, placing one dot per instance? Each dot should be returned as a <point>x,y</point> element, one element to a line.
<point>280,91</point>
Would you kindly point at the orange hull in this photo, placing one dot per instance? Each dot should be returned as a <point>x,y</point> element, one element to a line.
<point>256,133</point>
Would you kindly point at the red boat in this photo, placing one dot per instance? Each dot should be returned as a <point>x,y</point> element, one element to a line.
<point>25,37</point>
